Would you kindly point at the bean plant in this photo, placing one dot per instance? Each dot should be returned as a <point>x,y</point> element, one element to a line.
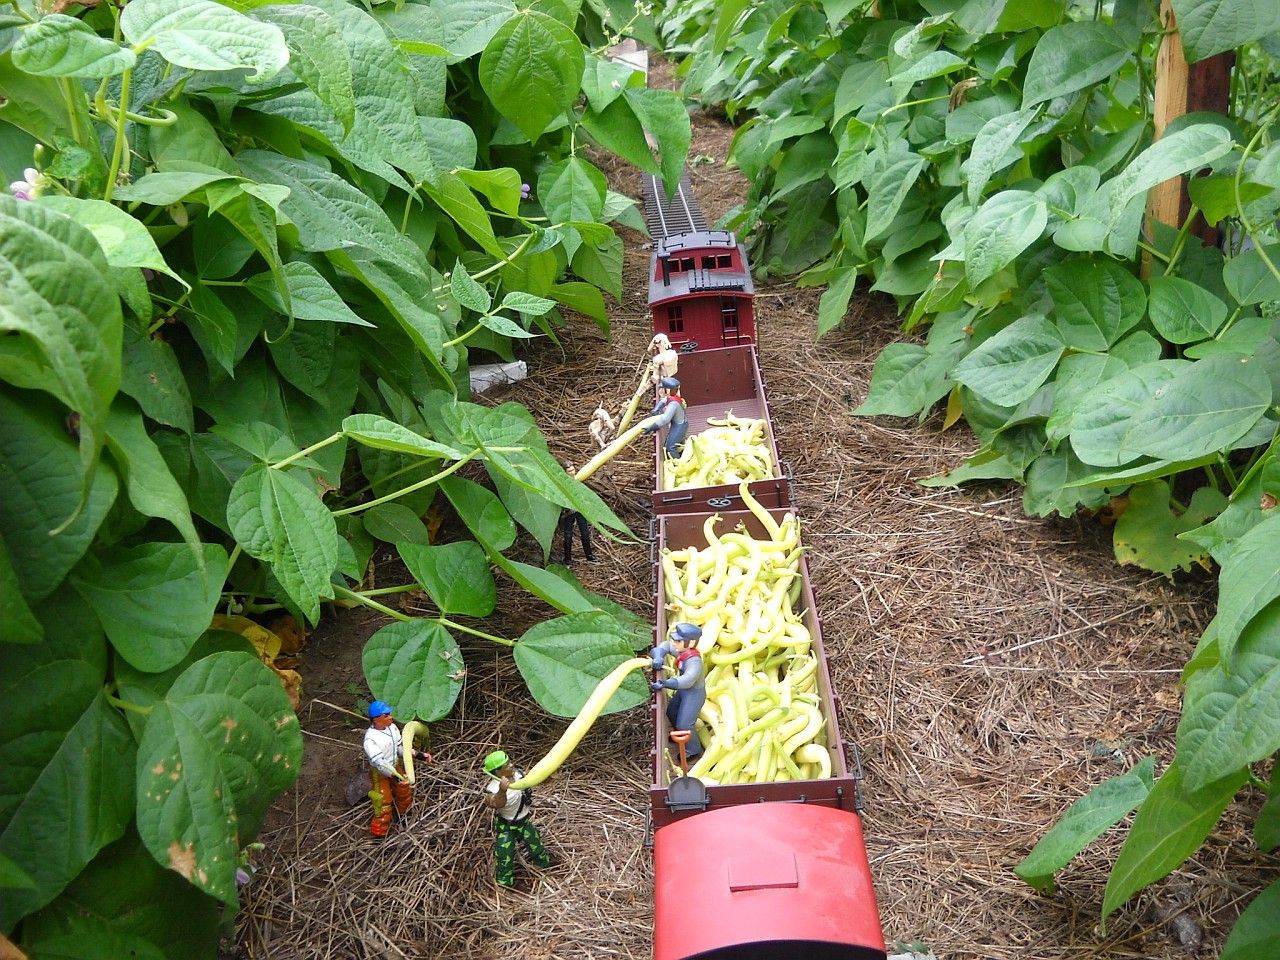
<point>987,164</point>
<point>248,255</point>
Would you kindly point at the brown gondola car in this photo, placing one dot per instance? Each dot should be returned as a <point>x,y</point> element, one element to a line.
<point>713,383</point>
<point>677,531</point>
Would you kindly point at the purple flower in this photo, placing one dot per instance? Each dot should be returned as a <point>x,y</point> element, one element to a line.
<point>29,187</point>
<point>525,190</point>
<point>242,877</point>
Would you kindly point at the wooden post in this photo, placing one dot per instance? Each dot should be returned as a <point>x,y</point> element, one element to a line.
<point>1182,88</point>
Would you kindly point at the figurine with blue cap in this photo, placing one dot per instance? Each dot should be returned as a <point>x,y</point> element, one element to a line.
<point>511,812</point>
<point>669,412</point>
<point>383,747</point>
<point>689,683</point>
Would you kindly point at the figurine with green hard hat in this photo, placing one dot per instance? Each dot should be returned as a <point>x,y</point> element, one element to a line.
<point>512,810</point>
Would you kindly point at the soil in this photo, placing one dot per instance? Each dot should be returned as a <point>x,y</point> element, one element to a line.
<point>992,668</point>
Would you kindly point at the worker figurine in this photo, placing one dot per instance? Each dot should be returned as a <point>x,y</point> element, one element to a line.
<point>665,360</point>
<point>670,409</point>
<point>602,428</point>
<point>382,745</point>
<point>511,818</point>
<point>689,683</point>
<point>570,518</point>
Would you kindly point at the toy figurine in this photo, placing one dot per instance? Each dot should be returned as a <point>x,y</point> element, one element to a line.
<point>602,428</point>
<point>568,520</point>
<point>511,818</point>
<point>666,362</point>
<point>689,683</point>
<point>382,745</point>
<point>670,409</point>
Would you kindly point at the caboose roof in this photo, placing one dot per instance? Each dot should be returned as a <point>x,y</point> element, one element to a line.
<point>701,240</point>
<point>688,282</point>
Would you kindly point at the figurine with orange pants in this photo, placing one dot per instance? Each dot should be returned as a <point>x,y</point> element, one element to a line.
<point>382,745</point>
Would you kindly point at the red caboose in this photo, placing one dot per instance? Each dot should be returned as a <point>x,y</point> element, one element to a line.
<point>700,290</point>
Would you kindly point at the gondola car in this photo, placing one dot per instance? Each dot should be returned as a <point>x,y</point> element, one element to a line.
<point>742,871</point>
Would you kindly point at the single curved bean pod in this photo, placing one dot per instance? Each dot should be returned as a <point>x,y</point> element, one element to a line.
<point>411,730</point>
<point>574,733</point>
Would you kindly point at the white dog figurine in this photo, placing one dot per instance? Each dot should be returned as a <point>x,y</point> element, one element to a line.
<point>665,360</point>
<point>602,427</point>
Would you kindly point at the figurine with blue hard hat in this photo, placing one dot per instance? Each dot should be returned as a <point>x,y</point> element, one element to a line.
<point>689,683</point>
<point>389,788</point>
<point>669,412</point>
<point>512,810</point>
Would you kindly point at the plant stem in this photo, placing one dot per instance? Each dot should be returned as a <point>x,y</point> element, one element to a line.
<point>117,150</point>
<point>383,591</point>
<point>444,622</point>
<point>466,336</point>
<point>308,451</point>
<point>364,601</point>
<point>126,705</point>
<point>434,478</point>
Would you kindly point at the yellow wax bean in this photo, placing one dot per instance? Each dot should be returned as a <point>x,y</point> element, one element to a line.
<point>817,755</point>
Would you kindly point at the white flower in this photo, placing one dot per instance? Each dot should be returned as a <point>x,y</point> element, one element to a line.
<point>30,187</point>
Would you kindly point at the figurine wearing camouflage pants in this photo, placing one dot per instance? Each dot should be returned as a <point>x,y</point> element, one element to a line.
<point>511,821</point>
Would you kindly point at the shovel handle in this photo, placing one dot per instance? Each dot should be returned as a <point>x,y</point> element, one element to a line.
<point>680,738</point>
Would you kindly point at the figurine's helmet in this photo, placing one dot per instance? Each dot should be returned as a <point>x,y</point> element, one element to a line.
<point>671,383</point>
<point>379,708</point>
<point>687,632</point>
<point>495,761</point>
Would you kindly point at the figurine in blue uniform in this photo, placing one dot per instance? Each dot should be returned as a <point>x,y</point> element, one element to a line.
<point>670,410</point>
<point>689,683</point>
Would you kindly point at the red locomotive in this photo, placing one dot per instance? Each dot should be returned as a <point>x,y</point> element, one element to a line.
<point>742,871</point>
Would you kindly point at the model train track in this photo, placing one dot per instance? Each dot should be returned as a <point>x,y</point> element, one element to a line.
<point>668,217</point>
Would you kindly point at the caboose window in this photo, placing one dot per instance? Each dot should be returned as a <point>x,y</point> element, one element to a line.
<point>675,319</point>
<point>729,314</point>
<point>686,263</point>
<point>708,263</point>
<point>724,262</point>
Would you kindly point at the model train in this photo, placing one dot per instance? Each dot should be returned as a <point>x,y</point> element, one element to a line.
<point>777,868</point>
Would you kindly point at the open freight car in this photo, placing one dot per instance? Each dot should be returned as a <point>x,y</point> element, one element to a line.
<point>714,383</point>
<point>700,286</point>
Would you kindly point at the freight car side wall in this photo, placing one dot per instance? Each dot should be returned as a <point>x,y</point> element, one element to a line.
<point>714,383</point>
<point>682,530</point>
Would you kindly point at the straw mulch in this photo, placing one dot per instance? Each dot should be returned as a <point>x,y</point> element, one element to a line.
<point>992,668</point>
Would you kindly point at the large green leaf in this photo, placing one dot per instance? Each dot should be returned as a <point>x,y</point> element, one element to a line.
<point>151,487</point>
<point>1104,415</point>
<point>1184,312</point>
<point>153,600</point>
<point>1257,931</point>
<point>80,795</point>
<point>377,431</point>
<point>1051,485</point>
<point>17,623</point>
<point>994,148</point>
<point>124,240</point>
<point>455,575</point>
<point>563,660</point>
<point>124,902</point>
<point>60,46</point>
<point>43,479</point>
<point>317,56</point>
<point>1207,406</point>
<point>1146,533</point>
<point>329,212</point>
<point>395,523</point>
<point>572,190</point>
<point>469,25</point>
<point>310,295</point>
<point>1009,367</point>
<point>217,748</point>
<point>556,591</point>
<point>1078,374</point>
<point>152,375</point>
<point>1213,26</point>
<point>1171,824</point>
<point>1231,715</point>
<point>1072,56</point>
<point>55,296</point>
<point>278,519</point>
<point>169,186</point>
<point>1249,581</point>
<point>481,511</point>
<point>1249,279</point>
<point>203,35</point>
<point>532,70</point>
<point>1096,302</point>
<point>416,666</point>
<point>1004,226</point>
<point>664,115</point>
<point>601,264</point>
<point>1085,820</point>
<point>887,189</point>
